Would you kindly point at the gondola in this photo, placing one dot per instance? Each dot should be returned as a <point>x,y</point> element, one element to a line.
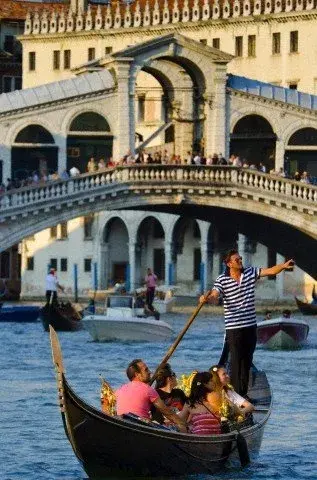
<point>114,446</point>
<point>61,316</point>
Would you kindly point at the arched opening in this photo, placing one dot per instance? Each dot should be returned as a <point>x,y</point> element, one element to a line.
<point>114,253</point>
<point>169,107</point>
<point>34,150</point>
<point>186,255</point>
<point>150,252</point>
<point>89,136</point>
<point>301,152</point>
<point>253,140</point>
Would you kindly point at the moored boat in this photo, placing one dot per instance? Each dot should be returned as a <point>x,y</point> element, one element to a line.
<point>282,333</point>
<point>61,316</point>
<point>306,308</point>
<point>123,321</point>
<point>19,313</point>
<point>114,446</point>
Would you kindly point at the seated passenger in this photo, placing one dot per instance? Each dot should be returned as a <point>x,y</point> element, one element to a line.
<point>166,382</point>
<point>137,396</point>
<point>244,406</point>
<point>202,413</point>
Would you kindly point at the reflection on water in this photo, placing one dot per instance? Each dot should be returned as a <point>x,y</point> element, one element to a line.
<point>33,442</point>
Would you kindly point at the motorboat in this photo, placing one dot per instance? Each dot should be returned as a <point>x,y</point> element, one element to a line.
<point>282,333</point>
<point>19,313</point>
<point>164,298</point>
<point>123,321</point>
<point>109,446</point>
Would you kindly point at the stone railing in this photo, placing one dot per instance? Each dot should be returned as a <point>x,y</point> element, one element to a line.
<point>261,187</point>
<point>154,13</point>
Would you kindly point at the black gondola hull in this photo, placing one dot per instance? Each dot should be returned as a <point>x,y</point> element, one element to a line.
<point>306,308</point>
<point>61,318</point>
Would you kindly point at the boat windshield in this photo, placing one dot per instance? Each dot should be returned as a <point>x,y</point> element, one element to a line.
<point>120,302</point>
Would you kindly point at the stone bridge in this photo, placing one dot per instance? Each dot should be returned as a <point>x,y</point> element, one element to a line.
<point>277,212</point>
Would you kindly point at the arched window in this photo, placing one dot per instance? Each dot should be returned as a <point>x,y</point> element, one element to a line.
<point>304,136</point>
<point>34,134</point>
<point>89,122</point>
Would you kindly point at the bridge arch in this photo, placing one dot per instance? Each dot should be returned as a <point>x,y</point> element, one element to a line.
<point>88,135</point>
<point>301,151</point>
<point>33,150</point>
<point>114,257</point>
<point>254,139</point>
<point>150,251</point>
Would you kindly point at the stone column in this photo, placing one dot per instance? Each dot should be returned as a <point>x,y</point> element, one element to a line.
<point>132,246</point>
<point>104,266</point>
<point>242,240</point>
<point>204,265</point>
<point>62,154</point>
<point>279,155</point>
<point>279,282</point>
<point>125,113</point>
<point>168,262</point>
<point>215,111</point>
<point>5,157</point>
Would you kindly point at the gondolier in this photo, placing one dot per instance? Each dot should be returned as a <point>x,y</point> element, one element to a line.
<point>52,285</point>
<point>237,286</point>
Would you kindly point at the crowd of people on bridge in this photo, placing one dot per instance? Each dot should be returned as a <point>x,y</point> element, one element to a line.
<point>159,157</point>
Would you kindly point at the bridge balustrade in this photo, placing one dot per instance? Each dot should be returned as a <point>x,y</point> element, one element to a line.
<point>204,176</point>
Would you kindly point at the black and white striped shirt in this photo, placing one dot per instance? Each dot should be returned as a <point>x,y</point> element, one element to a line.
<point>238,298</point>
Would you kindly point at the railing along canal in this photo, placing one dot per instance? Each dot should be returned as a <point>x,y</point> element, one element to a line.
<point>199,176</point>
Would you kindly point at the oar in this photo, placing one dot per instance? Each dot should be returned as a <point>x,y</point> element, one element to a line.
<point>173,347</point>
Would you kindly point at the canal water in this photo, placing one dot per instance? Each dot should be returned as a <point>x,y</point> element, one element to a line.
<point>33,443</point>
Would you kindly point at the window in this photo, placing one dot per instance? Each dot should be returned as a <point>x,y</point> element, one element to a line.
<point>67,59</point>
<point>141,108</point>
<point>292,85</point>
<point>32,61</point>
<point>53,232</point>
<point>239,47</point>
<point>53,263</point>
<point>7,84</point>
<point>30,263</point>
<point>63,264</point>
<point>276,43</point>
<point>63,231</point>
<point>17,83</point>
<point>56,60</point>
<point>216,43</point>
<point>108,50</point>
<point>87,264</point>
<point>251,45</point>
<point>197,262</point>
<point>88,224</point>
<point>293,47</point>
<point>203,41</point>
<point>9,43</point>
<point>91,54</point>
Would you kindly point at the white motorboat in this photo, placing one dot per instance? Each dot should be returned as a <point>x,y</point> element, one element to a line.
<point>284,333</point>
<point>123,321</point>
<point>164,298</point>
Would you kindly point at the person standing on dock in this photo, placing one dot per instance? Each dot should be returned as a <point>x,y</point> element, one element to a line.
<point>52,286</point>
<point>237,287</point>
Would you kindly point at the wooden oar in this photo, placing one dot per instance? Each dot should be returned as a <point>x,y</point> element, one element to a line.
<point>173,347</point>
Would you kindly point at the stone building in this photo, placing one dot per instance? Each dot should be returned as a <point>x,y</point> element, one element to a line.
<point>171,73</point>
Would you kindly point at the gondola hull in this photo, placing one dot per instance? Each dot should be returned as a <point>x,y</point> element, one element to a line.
<point>306,308</point>
<point>116,446</point>
<point>60,317</point>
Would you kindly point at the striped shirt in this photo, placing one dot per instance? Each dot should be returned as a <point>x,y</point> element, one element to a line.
<point>238,298</point>
<point>205,424</point>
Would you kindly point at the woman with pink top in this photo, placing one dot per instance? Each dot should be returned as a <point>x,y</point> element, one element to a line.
<point>150,281</point>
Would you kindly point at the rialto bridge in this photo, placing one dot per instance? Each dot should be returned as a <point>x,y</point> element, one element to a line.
<point>280,213</point>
